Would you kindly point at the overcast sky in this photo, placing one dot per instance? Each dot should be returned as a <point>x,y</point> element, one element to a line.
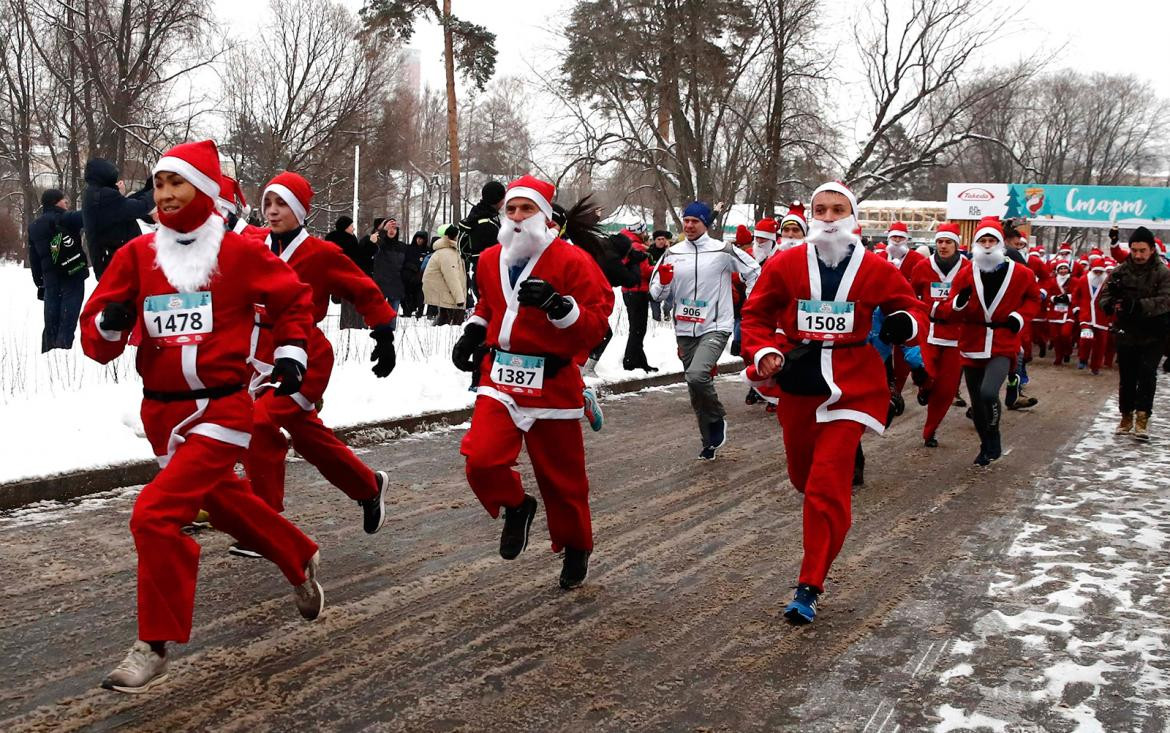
<point>1117,36</point>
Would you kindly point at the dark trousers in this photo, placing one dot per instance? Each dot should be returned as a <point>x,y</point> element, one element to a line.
<point>637,310</point>
<point>1137,367</point>
<point>983,386</point>
<point>449,317</point>
<point>63,297</point>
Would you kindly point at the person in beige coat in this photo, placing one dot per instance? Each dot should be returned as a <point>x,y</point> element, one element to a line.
<point>444,281</point>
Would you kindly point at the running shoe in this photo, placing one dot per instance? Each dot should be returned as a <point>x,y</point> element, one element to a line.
<point>1013,390</point>
<point>753,397</point>
<point>802,609</point>
<point>517,523</point>
<point>717,433</point>
<point>593,414</point>
<point>310,595</point>
<point>931,442</point>
<point>374,509</point>
<point>707,454</point>
<point>574,568</point>
<point>141,670</point>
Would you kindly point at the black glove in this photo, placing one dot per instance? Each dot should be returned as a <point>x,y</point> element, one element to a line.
<point>540,294</point>
<point>383,354</point>
<point>288,374</point>
<point>1113,236</point>
<point>897,328</point>
<point>463,355</point>
<point>963,298</point>
<point>1015,325</point>
<point>117,317</point>
<point>1062,299</point>
<point>40,293</point>
<point>919,376</point>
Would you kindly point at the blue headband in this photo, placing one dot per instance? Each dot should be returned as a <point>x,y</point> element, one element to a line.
<point>700,211</point>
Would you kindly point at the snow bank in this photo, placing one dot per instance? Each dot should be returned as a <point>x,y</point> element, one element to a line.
<point>63,412</point>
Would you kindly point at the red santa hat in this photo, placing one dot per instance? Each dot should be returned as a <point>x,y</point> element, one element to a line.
<point>837,187</point>
<point>539,192</point>
<point>743,235</point>
<point>1097,263</point>
<point>295,191</point>
<point>1064,247</point>
<point>196,162</point>
<point>879,247</point>
<point>766,229</point>
<point>948,230</point>
<point>231,196</point>
<point>1110,263</point>
<point>898,229</point>
<point>796,216</point>
<point>989,226</point>
<point>1057,264</point>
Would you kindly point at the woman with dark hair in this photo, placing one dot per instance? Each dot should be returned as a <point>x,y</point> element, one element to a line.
<point>343,236</point>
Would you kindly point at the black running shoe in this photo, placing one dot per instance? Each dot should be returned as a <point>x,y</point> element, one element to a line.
<point>931,442</point>
<point>707,454</point>
<point>575,568</point>
<point>982,459</point>
<point>517,523</point>
<point>374,510</point>
<point>753,397</point>
<point>241,551</point>
<point>960,402</point>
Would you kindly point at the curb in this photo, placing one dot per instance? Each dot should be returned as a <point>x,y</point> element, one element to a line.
<point>66,486</point>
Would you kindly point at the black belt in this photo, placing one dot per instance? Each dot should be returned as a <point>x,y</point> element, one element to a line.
<point>263,325</point>
<point>207,393</point>
<point>839,345</point>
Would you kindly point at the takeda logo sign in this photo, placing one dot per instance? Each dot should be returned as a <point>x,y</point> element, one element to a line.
<point>967,201</point>
<point>976,194</point>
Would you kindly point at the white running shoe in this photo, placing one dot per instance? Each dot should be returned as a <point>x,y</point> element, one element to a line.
<point>141,670</point>
<point>310,596</point>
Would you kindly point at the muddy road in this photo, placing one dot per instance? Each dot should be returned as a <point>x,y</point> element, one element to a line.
<point>678,628</point>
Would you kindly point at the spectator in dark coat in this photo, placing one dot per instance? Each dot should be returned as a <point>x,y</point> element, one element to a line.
<point>389,261</point>
<point>343,236</point>
<point>110,216</point>
<point>480,229</point>
<point>59,277</point>
<point>420,246</point>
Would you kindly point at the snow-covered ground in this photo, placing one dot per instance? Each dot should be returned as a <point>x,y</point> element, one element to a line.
<point>63,412</point>
<point>1084,590</point>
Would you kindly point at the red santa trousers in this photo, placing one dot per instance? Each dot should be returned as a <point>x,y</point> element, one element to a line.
<point>1027,335</point>
<point>1039,335</point>
<point>1062,340</point>
<point>557,450</point>
<point>315,442</point>
<point>1092,350</point>
<point>946,367</point>
<point>820,465</point>
<point>201,474</point>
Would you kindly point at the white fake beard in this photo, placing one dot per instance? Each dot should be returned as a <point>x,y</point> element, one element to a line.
<point>1096,278</point>
<point>763,250</point>
<point>523,240</point>
<point>1061,280</point>
<point>832,240</point>
<point>188,260</point>
<point>788,243</point>
<point>897,251</point>
<point>987,260</point>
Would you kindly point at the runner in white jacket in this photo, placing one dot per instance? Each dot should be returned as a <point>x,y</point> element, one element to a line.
<point>696,274</point>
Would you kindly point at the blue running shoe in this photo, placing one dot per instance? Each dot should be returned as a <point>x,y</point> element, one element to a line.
<point>803,607</point>
<point>593,410</point>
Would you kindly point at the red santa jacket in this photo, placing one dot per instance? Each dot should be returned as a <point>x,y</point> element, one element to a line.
<point>1018,299</point>
<point>1058,313</point>
<point>933,287</point>
<point>851,368</point>
<point>328,272</point>
<point>245,229</point>
<point>645,269</point>
<point>179,354</point>
<point>909,263</point>
<point>515,331</point>
<point>1086,302</point>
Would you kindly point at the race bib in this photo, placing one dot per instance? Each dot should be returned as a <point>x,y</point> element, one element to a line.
<point>940,291</point>
<point>824,320</point>
<point>178,319</point>
<point>691,311</point>
<point>1086,333</point>
<point>518,373</point>
<point>1060,308</point>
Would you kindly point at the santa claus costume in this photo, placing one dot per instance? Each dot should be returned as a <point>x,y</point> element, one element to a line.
<point>234,208</point>
<point>1037,331</point>
<point>637,302</point>
<point>193,286</point>
<point>328,272</point>
<point>807,324</point>
<point>993,300</point>
<point>765,247</point>
<point>543,303</point>
<point>931,282</point>
<point>793,227</point>
<point>1061,326</point>
<point>900,255</point>
<point>1092,321</point>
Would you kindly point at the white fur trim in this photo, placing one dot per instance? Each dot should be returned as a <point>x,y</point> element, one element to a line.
<point>222,434</point>
<point>836,187</point>
<point>478,321</point>
<point>988,230</point>
<point>107,335</point>
<point>293,202</point>
<point>948,235</point>
<point>570,318</point>
<point>524,192</point>
<point>525,417</point>
<point>764,235</point>
<point>194,176</point>
<point>764,352</point>
<point>799,221</point>
<point>288,351</point>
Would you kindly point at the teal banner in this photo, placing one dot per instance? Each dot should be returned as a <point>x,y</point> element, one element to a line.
<point>1104,204</point>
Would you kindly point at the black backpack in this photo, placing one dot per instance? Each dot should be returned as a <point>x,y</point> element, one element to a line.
<point>66,252</point>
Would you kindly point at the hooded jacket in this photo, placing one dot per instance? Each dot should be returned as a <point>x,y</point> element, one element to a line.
<point>110,219</point>
<point>444,282</point>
